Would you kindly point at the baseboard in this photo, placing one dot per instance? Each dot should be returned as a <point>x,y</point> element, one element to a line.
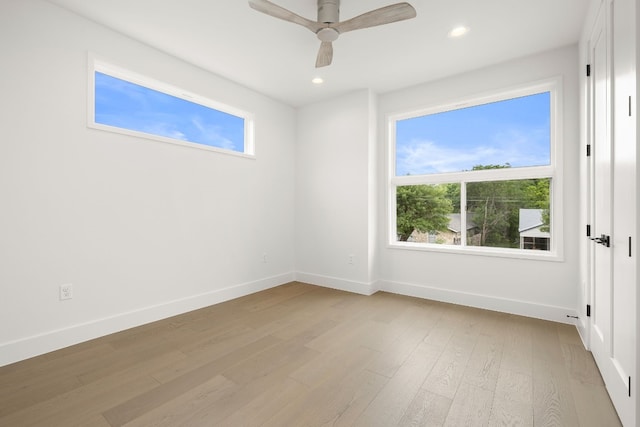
<point>361,288</point>
<point>504,305</point>
<point>25,348</point>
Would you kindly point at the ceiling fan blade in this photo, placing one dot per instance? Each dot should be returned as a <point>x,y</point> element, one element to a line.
<point>325,55</point>
<point>384,15</point>
<point>276,11</point>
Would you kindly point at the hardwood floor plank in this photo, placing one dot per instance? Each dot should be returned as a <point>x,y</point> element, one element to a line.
<point>517,353</point>
<point>505,412</point>
<point>265,405</point>
<point>568,334</point>
<point>388,408</point>
<point>514,386</point>
<point>484,363</point>
<point>41,388</point>
<point>272,358</point>
<point>238,397</point>
<point>546,341</point>
<point>224,350</point>
<point>332,366</point>
<point>470,407</point>
<point>426,410</point>
<point>300,355</point>
<point>513,399</point>
<point>278,296</point>
<point>81,404</point>
<point>593,405</point>
<point>448,372</point>
<point>580,364</point>
<point>335,402</point>
<point>179,409</point>
<point>552,397</point>
<point>341,406</point>
<point>36,382</point>
<point>136,407</point>
<point>390,359</point>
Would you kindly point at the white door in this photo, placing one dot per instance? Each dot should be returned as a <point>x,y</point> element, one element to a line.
<point>607,313</point>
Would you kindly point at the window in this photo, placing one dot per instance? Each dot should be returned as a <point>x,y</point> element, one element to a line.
<point>121,101</point>
<point>478,176</point>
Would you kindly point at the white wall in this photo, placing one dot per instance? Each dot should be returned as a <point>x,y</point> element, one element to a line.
<point>545,289</point>
<point>335,192</point>
<point>142,229</point>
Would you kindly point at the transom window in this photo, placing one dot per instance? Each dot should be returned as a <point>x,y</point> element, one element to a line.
<point>478,176</point>
<point>124,102</point>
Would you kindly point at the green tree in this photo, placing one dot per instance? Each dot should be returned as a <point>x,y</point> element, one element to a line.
<point>494,206</point>
<point>537,194</point>
<point>488,207</point>
<point>424,208</point>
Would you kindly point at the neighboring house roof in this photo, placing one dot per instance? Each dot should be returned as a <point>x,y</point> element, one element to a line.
<point>530,219</point>
<point>455,221</point>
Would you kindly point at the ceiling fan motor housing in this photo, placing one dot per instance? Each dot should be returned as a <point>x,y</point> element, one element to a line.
<point>328,11</point>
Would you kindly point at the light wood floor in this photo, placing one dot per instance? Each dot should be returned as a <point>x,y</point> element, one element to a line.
<point>300,355</point>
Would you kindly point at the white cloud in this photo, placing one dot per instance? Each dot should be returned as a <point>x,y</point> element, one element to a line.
<point>210,134</point>
<point>513,147</point>
<point>165,129</point>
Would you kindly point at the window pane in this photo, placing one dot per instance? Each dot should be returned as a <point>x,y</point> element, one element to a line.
<point>428,214</point>
<point>515,132</point>
<point>126,105</point>
<point>510,214</point>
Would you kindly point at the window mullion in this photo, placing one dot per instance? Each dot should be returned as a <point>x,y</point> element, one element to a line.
<point>463,213</point>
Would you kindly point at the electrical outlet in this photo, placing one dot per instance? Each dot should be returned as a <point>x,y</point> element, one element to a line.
<point>66,291</point>
<point>351,258</point>
<point>264,257</point>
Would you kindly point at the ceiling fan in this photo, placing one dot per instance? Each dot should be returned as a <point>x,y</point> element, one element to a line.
<point>328,26</point>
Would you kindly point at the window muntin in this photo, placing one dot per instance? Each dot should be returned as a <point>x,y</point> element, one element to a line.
<point>124,102</point>
<point>533,168</point>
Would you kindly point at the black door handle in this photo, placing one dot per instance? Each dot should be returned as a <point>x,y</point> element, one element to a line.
<point>603,240</point>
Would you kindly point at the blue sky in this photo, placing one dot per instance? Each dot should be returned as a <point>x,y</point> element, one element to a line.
<point>515,131</point>
<point>127,105</point>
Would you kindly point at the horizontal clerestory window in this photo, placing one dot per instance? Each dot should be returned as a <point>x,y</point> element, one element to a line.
<point>478,176</point>
<point>124,102</point>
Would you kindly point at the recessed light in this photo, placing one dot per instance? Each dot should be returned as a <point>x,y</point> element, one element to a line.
<point>317,80</point>
<point>458,31</point>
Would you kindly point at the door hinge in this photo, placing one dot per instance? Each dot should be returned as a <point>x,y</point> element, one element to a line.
<point>588,150</point>
<point>588,70</point>
<point>588,310</point>
<point>588,230</point>
<point>629,246</point>
<point>629,386</point>
<point>629,105</point>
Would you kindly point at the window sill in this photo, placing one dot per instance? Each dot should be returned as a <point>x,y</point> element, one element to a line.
<point>159,138</point>
<point>524,254</point>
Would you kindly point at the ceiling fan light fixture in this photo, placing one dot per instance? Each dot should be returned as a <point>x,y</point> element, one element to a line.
<point>328,34</point>
<point>458,31</point>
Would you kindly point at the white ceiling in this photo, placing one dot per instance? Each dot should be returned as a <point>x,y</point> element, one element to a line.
<point>277,58</point>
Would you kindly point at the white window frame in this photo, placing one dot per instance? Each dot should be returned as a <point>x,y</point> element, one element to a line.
<point>97,64</point>
<point>553,171</point>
